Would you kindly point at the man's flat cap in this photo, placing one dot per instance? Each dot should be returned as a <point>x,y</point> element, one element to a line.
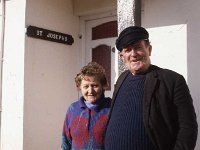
<point>131,35</point>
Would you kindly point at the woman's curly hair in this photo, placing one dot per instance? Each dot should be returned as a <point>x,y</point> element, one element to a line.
<point>92,69</point>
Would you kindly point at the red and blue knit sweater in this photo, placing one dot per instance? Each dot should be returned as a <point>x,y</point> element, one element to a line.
<point>84,128</point>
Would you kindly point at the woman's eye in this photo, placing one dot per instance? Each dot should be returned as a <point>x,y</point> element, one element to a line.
<point>85,87</point>
<point>96,85</point>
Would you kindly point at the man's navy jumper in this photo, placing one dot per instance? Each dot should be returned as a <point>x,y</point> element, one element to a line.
<point>126,129</point>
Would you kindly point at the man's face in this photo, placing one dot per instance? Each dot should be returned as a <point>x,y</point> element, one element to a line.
<point>137,57</point>
<point>91,89</point>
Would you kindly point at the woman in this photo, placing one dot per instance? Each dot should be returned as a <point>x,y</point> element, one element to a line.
<point>86,119</point>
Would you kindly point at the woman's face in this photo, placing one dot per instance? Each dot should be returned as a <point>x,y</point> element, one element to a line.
<point>91,89</point>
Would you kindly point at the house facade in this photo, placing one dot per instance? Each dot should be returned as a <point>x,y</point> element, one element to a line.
<point>44,43</point>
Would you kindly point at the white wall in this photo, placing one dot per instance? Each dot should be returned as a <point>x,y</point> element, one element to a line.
<point>174,33</point>
<point>50,69</point>
<point>13,77</point>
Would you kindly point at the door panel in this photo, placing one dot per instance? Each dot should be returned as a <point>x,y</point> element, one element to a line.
<point>102,55</point>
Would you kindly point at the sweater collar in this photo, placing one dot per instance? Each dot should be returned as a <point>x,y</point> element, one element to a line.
<point>96,107</point>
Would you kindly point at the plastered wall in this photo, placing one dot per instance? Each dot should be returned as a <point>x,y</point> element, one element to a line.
<point>50,69</point>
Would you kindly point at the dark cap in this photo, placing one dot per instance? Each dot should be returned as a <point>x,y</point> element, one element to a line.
<point>130,35</point>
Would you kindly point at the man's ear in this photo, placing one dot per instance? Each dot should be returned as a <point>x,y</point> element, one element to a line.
<point>150,49</point>
<point>121,57</point>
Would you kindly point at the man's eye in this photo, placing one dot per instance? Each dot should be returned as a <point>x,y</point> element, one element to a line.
<point>138,48</point>
<point>127,50</point>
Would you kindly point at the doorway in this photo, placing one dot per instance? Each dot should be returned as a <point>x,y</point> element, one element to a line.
<point>100,36</point>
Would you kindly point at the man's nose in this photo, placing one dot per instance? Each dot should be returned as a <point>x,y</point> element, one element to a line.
<point>133,51</point>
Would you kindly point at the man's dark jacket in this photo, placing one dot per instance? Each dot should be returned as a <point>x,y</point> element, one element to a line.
<point>169,115</point>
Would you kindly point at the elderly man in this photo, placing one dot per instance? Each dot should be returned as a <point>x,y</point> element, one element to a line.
<point>152,108</point>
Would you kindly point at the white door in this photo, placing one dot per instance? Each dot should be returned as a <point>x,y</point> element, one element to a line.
<point>110,42</point>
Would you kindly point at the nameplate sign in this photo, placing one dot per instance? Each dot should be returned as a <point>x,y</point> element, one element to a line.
<point>49,35</point>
